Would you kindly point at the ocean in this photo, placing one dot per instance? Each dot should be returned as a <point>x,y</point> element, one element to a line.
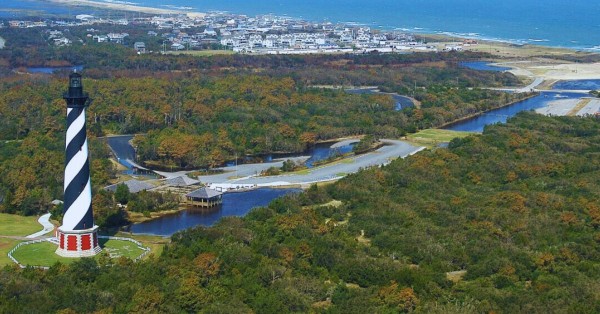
<point>558,23</point>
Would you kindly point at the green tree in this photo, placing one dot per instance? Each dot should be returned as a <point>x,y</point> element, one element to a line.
<point>122,194</point>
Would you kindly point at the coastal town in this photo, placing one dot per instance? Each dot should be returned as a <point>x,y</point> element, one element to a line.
<point>262,34</point>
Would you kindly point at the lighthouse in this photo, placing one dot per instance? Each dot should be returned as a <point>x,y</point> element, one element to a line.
<point>78,236</point>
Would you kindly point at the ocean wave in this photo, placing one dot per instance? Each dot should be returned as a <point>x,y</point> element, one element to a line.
<point>121,2</point>
<point>170,6</point>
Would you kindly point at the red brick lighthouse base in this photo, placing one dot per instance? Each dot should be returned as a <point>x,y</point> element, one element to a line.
<point>78,243</point>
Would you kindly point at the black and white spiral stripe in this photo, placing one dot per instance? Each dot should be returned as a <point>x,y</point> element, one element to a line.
<point>78,190</point>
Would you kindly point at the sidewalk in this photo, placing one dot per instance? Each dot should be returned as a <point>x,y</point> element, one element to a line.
<point>44,220</point>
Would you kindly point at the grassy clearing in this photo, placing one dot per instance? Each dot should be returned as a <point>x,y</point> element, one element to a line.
<point>42,254</point>
<point>456,276</point>
<point>201,53</point>
<point>155,243</point>
<point>333,203</point>
<point>15,225</point>
<point>433,137</point>
<point>117,248</point>
<point>5,246</point>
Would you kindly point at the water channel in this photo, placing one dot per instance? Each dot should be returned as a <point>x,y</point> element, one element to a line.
<point>51,70</point>
<point>500,115</point>
<point>239,204</point>
<point>234,204</point>
<point>402,102</point>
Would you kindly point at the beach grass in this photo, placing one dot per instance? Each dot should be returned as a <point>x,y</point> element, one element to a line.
<point>15,225</point>
<point>433,137</point>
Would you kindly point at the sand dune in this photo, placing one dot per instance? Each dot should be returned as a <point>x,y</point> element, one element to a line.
<point>125,7</point>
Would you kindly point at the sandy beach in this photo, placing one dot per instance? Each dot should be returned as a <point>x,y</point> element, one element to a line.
<point>552,71</point>
<point>571,107</point>
<point>126,7</point>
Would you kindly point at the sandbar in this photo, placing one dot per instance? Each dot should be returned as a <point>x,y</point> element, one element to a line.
<point>126,7</point>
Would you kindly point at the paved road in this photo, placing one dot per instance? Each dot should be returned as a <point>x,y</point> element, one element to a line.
<point>394,149</point>
<point>44,220</point>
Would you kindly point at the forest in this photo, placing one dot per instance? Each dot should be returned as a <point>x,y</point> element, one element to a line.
<point>506,222</point>
<point>199,112</point>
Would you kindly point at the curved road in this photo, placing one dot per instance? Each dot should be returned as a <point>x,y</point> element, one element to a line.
<point>246,175</point>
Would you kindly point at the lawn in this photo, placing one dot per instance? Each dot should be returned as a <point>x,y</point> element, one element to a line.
<point>5,246</point>
<point>15,225</point>
<point>433,137</point>
<point>42,254</point>
<point>155,243</point>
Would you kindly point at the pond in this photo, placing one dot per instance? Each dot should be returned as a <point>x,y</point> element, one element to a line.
<point>234,204</point>
<point>483,66</point>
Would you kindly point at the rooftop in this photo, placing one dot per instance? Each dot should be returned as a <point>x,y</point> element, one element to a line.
<point>181,181</point>
<point>204,193</point>
<point>134,186</point>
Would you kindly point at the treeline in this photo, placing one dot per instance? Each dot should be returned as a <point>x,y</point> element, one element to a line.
<point>506,221</point>
<point>203,117</point>
<point>32,169</point>
<point>197,121</point>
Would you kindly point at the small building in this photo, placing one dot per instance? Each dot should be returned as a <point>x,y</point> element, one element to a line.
<point>140,47</point>
<point>177,47</point>
<point>181,181</point>
<point>204,197</point>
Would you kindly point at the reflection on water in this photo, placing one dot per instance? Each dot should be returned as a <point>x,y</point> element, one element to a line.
<point>50,70</point>
<point>122,150</point>
<point>483,66</point>
<point>402,102</point>
<point>234,204</point>
<point>500,115</point>
<point>322,152</point>
<point>578,85</point>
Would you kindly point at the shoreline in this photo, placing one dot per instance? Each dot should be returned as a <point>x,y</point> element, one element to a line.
<point>484,112</point>
<point>443,35</point>
<point>125,7</point>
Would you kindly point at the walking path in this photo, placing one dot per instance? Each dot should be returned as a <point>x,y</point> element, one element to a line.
<point>44,220</point>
